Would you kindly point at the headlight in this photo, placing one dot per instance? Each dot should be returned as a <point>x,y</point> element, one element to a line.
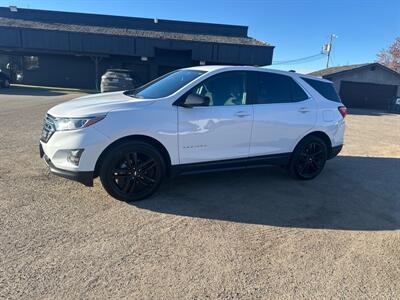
<point>62,124</point>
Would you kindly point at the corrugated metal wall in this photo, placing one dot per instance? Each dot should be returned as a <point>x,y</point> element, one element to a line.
<point>125,22</point>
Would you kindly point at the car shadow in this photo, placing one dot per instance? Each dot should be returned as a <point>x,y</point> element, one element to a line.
<point>31,91</point>
<point>352,193</point>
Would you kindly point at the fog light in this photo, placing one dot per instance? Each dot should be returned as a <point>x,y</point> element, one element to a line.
<point>74,156</point>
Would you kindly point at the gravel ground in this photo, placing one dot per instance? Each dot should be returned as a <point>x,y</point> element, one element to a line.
<point>253,234</point>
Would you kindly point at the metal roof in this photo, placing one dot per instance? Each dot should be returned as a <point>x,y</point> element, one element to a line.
<point>334,70</point>
<point>50,16</point>
<point>330,72</point>
<point>116,31</point>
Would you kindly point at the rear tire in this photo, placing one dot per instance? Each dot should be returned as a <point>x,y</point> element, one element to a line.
<point>308,158</point>
<point>132,171</point>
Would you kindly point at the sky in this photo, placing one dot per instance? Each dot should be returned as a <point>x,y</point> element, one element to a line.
<point>297,28</point>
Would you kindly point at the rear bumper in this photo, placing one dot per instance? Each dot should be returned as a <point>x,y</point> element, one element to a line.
<point>335,151</point>
<point>83,177</point>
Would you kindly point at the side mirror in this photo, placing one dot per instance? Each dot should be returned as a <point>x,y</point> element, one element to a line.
<point>193,100</point>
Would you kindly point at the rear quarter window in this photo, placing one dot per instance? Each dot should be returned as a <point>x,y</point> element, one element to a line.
<point>326,89</point>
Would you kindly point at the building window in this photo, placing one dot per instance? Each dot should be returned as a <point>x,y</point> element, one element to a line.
<point>31,62</point>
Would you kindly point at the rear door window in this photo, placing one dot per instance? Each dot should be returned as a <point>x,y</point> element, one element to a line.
<point>326,89</point>
<point>276,88</point>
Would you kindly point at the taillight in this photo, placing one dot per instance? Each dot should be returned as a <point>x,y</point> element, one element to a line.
<point>343,111</point>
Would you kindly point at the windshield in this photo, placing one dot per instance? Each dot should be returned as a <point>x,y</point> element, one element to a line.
<point>165,85</point>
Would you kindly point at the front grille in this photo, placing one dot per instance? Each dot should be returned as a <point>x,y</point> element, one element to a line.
<point>48,128</point>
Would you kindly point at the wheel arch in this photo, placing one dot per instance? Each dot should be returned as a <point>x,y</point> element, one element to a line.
<point>142,138</point>
<point>323,136</point>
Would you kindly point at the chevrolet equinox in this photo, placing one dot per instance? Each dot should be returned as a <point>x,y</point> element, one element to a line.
<point>196,119</point>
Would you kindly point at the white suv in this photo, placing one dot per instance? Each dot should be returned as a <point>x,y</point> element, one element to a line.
<point>194,120</point>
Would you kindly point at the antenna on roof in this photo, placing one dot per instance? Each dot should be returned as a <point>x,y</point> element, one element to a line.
<point>13,8</point>
<point>155,20</point>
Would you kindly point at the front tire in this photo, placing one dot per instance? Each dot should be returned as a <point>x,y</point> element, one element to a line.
<point>309,158</point>
<point>132,171</point>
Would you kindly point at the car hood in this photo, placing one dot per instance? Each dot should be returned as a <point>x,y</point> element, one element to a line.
<point>97,104</point>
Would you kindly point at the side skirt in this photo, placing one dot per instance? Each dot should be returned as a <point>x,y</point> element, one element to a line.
<point>231,164</point>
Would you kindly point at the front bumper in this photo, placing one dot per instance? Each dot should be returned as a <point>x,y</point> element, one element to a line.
<point>93,142</point>
<point>84,177</point>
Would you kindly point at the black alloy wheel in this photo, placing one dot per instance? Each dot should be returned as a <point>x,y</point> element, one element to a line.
<point>133,171</point>
<point>309,158</point>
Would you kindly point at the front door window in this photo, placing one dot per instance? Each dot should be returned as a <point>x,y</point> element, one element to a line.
<point>224,89</point>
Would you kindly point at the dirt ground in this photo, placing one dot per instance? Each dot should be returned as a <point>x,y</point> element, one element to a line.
<point>254,234</point>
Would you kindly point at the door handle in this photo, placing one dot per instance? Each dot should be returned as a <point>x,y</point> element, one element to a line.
<point>304,110</point>
<point>242,114</point>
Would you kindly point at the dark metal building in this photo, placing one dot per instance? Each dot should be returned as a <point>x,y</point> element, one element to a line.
<point>364,85</point>
<point>73,49</point>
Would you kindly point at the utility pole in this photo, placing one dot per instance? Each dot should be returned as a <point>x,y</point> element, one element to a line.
<point>328,48</point>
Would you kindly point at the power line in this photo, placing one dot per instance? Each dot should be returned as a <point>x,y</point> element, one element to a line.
<point>300,60</point>
<point>326,52</point>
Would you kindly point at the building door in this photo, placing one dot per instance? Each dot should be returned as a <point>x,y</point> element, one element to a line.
<point>367,95</point>
<point>169,60</point>
<point>165,69</point>
<point>141,71</point>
